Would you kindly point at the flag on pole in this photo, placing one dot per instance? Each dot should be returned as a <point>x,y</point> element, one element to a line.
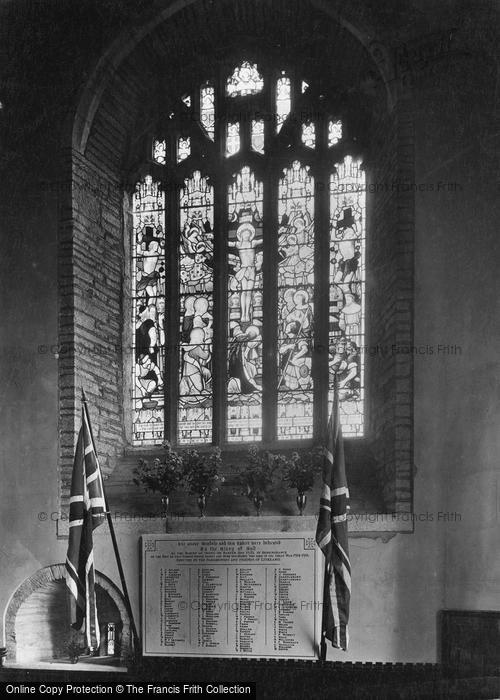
<point>331,536</point>
<point>86,512</point>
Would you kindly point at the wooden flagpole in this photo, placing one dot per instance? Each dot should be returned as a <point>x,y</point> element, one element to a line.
<point>322,649</point>
<point>111,526</point>
<point>327,574</point>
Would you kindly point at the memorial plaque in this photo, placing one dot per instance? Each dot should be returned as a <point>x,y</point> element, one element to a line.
<point>247,595</point>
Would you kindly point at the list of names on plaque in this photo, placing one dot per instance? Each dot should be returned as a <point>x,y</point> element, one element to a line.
<point>241,595</point>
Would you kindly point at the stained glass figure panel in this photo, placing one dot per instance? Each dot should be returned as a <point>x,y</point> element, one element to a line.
<point>245,295</point>
<point>283,100</point>
<point>207,109</point>
<point>195,384</point>
<point>295,303</point>
<point>160,152</point>
<point>347,292</point>
<point>183,148</point>
<point>148,308</point>
<point>196,273</point>
<point>309,135</point>
<point>232,138</point>
<point>258,135</point>
<point>245,80</point>
<point>334,132</point>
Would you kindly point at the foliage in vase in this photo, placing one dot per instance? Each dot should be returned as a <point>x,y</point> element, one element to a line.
<point>75,650</point>
<point>258,479</point>
<point>300,470</point>
<point>202,471</point>
<point>160,476</point>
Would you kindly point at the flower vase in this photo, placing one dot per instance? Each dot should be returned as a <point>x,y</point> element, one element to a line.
<point>301,502</point>
<point>257,501</point>
<point>202,504</point>
<point>165,501</point>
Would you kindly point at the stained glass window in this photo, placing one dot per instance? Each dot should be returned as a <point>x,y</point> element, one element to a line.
<point>283,100</point>
<point>347,291</point>
<point>159,152</point>
<point>309,135</point>
<point>183,148</point>
<point>196,274</point>
<point>258,135</point>
<point>334,132</point>
<point>207,109</point>
<point>295,303</point>
<point>233,139</point>
<point>245,80</point>
<point>245,296</point>
<point>264,265</point>
<point>148,310</point>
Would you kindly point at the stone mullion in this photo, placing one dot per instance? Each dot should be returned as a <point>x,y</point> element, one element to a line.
<point>220,337</point>
<point>321,282</point>
<point>172,301</point>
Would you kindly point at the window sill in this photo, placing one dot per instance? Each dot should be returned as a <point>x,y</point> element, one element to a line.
<point>137,451</point>
<point>374,525</point>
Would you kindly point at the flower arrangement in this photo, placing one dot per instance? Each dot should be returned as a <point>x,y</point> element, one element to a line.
<point>159,476</point>
<point>202,472</point>
<point>300,470</point>
<point>257,480</point>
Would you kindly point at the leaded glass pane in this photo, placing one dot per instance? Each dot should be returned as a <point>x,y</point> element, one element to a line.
<point>304,86</point>
<point>160,152</point>
<point>196,248</point>
<point>187,100</point>
<point>245,80</point>
<point>347,292</point>
<point>232,138</point>
<point>334,132</point>
<point>183,148</point>
<point>258,135</point>
<point>295,303</point>
<point>309,135</point>
<point>245,294</point>
<point>207,109</point>
<point>148,308</point>
<point>283,100</point>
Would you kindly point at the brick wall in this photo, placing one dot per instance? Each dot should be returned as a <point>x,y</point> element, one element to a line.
<point>91,273</point>
<point>390,304</point>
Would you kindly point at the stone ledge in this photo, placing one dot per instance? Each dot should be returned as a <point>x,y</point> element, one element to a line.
<point>374,525</point>
<point>65,665</point>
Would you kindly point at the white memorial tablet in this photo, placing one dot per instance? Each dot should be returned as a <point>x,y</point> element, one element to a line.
<point>247,595</point>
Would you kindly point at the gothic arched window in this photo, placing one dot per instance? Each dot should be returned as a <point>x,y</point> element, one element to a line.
<point>248,267</point>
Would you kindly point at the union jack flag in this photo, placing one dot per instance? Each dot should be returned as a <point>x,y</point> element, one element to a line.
<point>331,536</point>
<point>86,512</point>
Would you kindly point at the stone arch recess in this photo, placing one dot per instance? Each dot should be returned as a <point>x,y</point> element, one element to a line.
<point>56,572</point>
